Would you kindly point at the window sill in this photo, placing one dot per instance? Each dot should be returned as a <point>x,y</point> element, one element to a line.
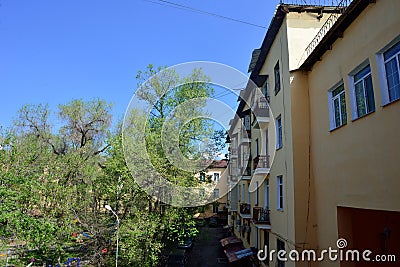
<point>389,103</point>
<point>281,210</point>
<point>365,115</point>
<point>279,148</point>
<point>334,129</point>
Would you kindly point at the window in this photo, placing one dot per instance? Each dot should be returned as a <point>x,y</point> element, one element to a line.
<point>280,246</point>
<point>279,192</point>
<point>337,107</point>
<point>202,177</point>
<point>247,123</point>
<point>277,76</point>
<point>362,93</point>
<point>216,177</point>
<point>266,194</point>
<point>215,208</point>
<point>392,73</point>
<point>278,132</point>
<point>216,193</point>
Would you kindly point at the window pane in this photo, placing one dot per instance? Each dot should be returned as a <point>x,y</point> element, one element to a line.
<point>394,50</point>
<point>360,100</point>
<point>369,92</point>
<point>337,112</point>
<point>343,108</point>
<point>392,75</point>
<point>362,73</point>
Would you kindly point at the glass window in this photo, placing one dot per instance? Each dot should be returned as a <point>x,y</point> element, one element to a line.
<point>363,91</point>
<point>392,66</point>
<point>216,177</point>
<point>278,132</point>
<point>277,76</point>
<point>279,189</point>
<point>338,110</point>
<point>202,177</point>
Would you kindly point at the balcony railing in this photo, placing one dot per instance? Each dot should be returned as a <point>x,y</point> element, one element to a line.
<point>261,216</point>
<point>339,8</point>
<point>260,108</point>
<point>261,161</point>
<point>245,208</point>
<point>311,2</point>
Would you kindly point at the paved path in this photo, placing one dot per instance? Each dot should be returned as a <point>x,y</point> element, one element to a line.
<point>207,251</point>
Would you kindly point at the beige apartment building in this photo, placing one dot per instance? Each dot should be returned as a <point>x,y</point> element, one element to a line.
<point>324,157</point>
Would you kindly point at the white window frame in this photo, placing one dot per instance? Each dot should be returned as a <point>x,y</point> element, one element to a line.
<point>280,193</point>
<point>331,104</point>
<point>382,70</point>
<point>279,132</point>
<point>352,85</point>
<point>216,174</point>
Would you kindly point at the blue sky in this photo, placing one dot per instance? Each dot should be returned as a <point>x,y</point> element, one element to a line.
<point>55,51</point>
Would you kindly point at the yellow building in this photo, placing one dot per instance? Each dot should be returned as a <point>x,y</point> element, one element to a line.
<point>214,182</point>
<point>325,158</point>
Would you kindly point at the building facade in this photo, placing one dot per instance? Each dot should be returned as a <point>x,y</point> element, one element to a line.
<point>322,160</point>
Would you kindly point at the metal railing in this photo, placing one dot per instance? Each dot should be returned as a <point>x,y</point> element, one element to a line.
<point>261,161</point>
<point>334,16</point>
<point>261,215</point>
<point>311,2</point>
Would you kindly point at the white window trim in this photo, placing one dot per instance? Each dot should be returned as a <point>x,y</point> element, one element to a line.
<point>382,71</point>
<point>353,99</point>
<point>332,124</point>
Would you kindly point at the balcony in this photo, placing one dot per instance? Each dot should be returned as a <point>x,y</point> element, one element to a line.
<point>244,210</point>
<point>261,218</point>
<point>261,165</point>
<point>261,112</point>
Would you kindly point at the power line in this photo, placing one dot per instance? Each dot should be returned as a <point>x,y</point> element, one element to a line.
<point>183,7</point>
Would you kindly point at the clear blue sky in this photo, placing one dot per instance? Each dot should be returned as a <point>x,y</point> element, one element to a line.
<point>55,51</point>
